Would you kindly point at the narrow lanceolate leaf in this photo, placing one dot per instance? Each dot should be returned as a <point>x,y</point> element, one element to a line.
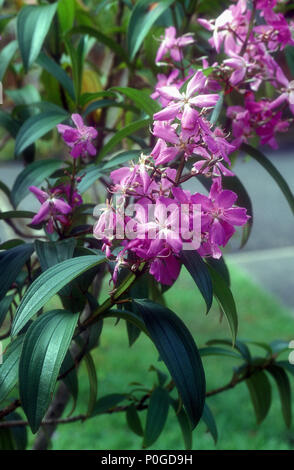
<point>121,158</point>
<point>220,266</point>
<point>284,388</point>
<point>239,345</point>
<point>133,420</point>
<point>33,175</point>
<point>234,184</point>
<point>16,215</point>
<point>120,135</point>
<point>11,262</point>
<point>209,420</point>
<point>199,272</point>
<point>217,109</point>
<point>260,391</point>
<point>68,372</point>
<point>89,176</point>
<point>9,367</point>
<point>141,99</point>
<point>271,169</point>
<point>48,284</point>
<point>141,20</point>
<point>102,38</point>
<point>225,299</point>
<point>107,402</point>
<point>57,72</point>
<point>180,354</point>
<point>4,307</point>
<point>5,189</point>
<point>156,415</point>
<point>36,127</point>
<point>45,345</point>
<point>6,56</point>
<point>184,423</point>
<point>93,383</point>
<point>33,23</point>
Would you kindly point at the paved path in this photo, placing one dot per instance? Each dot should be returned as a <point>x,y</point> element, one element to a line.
<point>269,254</point>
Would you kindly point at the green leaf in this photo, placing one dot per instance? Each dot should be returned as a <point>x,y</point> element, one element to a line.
<point>19,433</point>
<point>185,424</point>
<point>11,262</point>
<point>180,354</point>
<point>121,158</point>
<point>4,307</point>
<point>9,367</point>
<point>5,189</point>
<point>71,378</point>
<point>271,169</point>
<point>52,253</point>
<point>129,316</point>
<point>199,272</point>
<point>93,384</point>
<point>45,345</point>
<point>141,20</point>
<point>289,52</point>
<point>27,95</point>
<point>8,123</point>
<point>260,391</point>
<point>234,184</point>
<point>226,300</point>
<point>77,62</point>
<point>33,23</point>
<point>33,175</point>
<point>37,126</point>
<point>16,215</point>
<point>141,98</point>
<point>220,266</point>
<point>66,14</point>
<point>57,72</point>
<point>121,134</point>
<point>133,420</point>
<point>89,175</point>
<point>107,402</point>
<point>209,420</point>
<point>6,56</point>
<point>156,416</point>
<point>103,39</point>
<point>284,388</point>
<point>215,351</point>
<point>48,284</point>
<point>239,345</point>
<point>217,109</point>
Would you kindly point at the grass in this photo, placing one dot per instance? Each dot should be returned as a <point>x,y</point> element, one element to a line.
<point>261,318</point>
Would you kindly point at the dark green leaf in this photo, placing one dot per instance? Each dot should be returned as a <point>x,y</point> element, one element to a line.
<point>36,127</point>
<point>57,72</point>
<point>121,134</point>
<point>106,403</point>
<point>11,262</point>
<point>93,383</point>
<point>141,20</point>
<point>52,253</point>
<point>156,415</point>
<point>271,169</point>
<point>141,98</point>
<point>226,300</point>
<point>215,351</point>
<point>4,307</point>
<point>19,433</point>
<point>48,284</point>
<point>199,272</point>
<point>33,174</point>
<point>239,345</point>
<point>180,354</point>
<point>284,388</point>
<point>16,215</point>
<point>71,378</point>
<point>6,56</point>
<point>217,109</point>
<point>260,391</point>
<point>33,23</point>
<point>209,420</point>
<point>133,420</point>
<point>185,424</point>
<point>220,266</point>
<point>9,367</point>
<point>45,345</point>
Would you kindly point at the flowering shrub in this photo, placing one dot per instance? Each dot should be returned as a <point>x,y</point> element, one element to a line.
<point>185,93</point>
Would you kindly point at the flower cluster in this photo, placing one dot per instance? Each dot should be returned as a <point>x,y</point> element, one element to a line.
<point>250,38</point>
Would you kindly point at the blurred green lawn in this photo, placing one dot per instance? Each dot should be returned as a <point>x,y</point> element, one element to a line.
<point>261,318</point>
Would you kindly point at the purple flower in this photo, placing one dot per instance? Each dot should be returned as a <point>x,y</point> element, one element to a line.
<point>52,208</point>
<point>79,139</point>
<point>171,44</point>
